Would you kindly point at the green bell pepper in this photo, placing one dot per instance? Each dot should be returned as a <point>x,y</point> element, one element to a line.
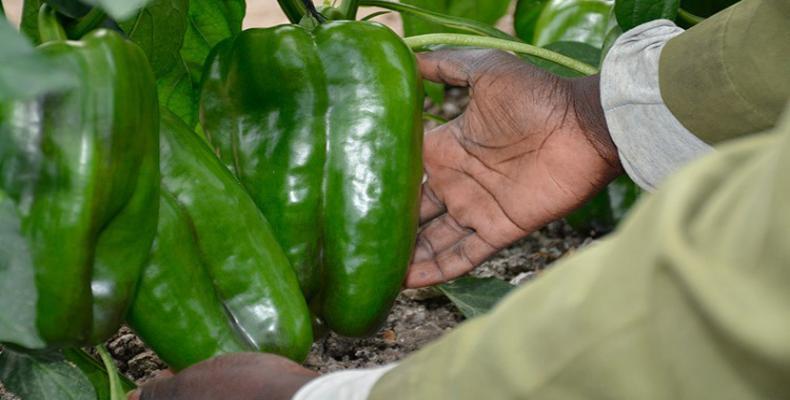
<point>176,310</point>
<point>82,168</point>
<point>543,22</point>
<point>217,281</point>
<point>323,128</point>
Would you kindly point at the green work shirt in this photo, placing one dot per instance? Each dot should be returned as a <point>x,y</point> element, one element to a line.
<point>690,298</point>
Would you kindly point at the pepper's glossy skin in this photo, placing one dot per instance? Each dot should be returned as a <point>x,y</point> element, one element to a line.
<point>176,310</point>
<point>249,270</point>
<point>82,167</point>
<point>543,22</point>
<point>323,128</point>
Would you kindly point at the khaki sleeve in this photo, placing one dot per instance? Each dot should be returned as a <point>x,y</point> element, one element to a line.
<point>730,75</point>
<point>688,300</point>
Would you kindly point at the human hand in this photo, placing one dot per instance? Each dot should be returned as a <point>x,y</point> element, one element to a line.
<point>239,376</point>
<point>529,148</point>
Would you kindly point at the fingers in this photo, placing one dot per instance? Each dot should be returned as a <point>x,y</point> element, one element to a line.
<point>459,67</point>
<point>451,263</point>
<point>436,147</point>
<point>231,376</point>
<point>430,205</point>
<point>165,388</point>
<point>437,236</point>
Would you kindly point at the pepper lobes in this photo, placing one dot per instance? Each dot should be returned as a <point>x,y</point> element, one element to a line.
<point>82,168</point>
<point>323,128</point>
<point>217,280</point>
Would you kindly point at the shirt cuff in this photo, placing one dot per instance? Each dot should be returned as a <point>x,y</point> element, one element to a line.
<point>353,384</point>
<point>651,142</point>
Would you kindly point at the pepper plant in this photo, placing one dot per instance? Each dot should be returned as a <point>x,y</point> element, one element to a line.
<point>228,191</point>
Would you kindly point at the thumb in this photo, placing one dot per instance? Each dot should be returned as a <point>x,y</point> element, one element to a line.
<point>460,67</point>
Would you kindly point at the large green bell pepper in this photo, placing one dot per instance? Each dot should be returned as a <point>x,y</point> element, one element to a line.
<point>82,169</point>
<point>218,281</point>
<point>323,128</point>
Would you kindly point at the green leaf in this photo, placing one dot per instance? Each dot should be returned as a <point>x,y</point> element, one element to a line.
<point>119,9</point>
<point>25,73</point>
<point>209,22</point>
<point>450,23</point>
<point>489,12</point>
<point>594,216</point>
<point>179,94</point>
<point>705,8</point>
<point>159,30</point>
<point>475,296</point>
<point>613,31</point>
<point>541,22</point>
<point>526,17</point>
<point>605,211</point>
<point>631,13</point>
<point>18,293</point>
<point>576,50</point>
<point>623,194</point>
<point>43,376</point>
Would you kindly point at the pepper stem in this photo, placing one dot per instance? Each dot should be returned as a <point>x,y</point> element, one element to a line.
<point>312,12</point>
<point>89,22</point>
<point>49,27</point>
<point>349,8</point>
<point>293,9</point>
<point>420,42</point>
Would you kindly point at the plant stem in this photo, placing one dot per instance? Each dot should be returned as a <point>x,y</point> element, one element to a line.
<point>462,24</point>
<point>49,27</point>
<point>418,43</point>
<point>689,17</point>
<point>2,10</point>
<point>89,22</point>
<point>116,390</point>
<point>349,8</point>
<point>293,9</point>
<point>311,10</point>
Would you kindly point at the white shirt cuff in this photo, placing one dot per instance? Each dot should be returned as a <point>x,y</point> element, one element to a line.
<point>651,142</point>
<point>353,384</point>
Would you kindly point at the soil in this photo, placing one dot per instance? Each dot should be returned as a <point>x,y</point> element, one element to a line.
<point>418,317</point>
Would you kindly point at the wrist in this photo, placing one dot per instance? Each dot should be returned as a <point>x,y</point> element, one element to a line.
<point>585,98</point>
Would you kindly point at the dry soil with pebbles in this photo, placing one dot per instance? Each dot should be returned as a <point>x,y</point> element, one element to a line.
<point>418,317</point>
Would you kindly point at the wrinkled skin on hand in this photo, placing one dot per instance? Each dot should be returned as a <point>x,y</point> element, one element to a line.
<point>530,148</point>
<point>240,376</point>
